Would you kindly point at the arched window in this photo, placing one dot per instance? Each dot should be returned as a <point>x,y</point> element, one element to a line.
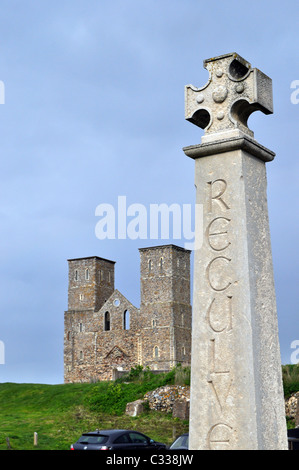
<point>156,351</point>
<point>161,265</point>
<point>86,274</point>
<point>149,265</point>
<point>76,275</point>
<point>107,322</point>
<point>126,320</point>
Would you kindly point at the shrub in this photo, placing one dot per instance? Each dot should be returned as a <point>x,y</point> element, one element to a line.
<point>290,375</point>
<point>112,397</point>
<point>182,375</point>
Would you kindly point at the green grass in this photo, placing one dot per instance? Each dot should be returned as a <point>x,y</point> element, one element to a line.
<point>60,413</point>
<point>113,398</point>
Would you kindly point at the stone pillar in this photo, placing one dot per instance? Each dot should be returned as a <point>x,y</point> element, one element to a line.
<point>236,385</point>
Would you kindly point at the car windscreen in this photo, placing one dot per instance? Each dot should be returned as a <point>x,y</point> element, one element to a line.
<point>181,441</point>
<point>93,439</point>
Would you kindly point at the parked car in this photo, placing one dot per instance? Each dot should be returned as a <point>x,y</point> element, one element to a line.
<point>116,439</point>
<point>181,442</point>
<point>293,439</point>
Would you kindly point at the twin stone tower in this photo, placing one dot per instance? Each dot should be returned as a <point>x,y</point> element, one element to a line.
<point>236,385</point>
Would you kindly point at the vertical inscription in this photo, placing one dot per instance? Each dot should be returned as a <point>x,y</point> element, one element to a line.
<point>219,315</point>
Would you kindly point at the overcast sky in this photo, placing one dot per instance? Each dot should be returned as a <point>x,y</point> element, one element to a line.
<point>94,110</point>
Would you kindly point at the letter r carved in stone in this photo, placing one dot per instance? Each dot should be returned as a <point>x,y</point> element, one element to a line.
<point>217,193</point>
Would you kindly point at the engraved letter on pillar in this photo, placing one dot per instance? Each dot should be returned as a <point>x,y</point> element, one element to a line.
<point>219,437</point>
<point>217,280</point>
<point>217,233</point>
<point>217,190</point>
<point>219,314</point>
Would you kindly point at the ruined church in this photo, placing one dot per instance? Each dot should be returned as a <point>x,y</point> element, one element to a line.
<point>105,334</point>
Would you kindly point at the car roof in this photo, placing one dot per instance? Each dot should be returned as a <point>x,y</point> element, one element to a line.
<point>186,434</point>
<point>109,431</point>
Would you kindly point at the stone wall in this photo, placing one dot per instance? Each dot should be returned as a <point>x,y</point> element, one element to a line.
<point>164,398</point>
<point>165,310</point>
<point>292,408</point>
<point>91,283</point>
<point>105,333</point>
<point>93,353</point>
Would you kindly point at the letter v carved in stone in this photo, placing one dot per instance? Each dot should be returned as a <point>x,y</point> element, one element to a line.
<point>220,383</point>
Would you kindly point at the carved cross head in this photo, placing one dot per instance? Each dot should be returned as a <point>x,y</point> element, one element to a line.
<point>234,91</point>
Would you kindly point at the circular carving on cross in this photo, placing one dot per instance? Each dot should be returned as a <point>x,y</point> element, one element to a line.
<point>239,88</point>
<point>220,115</point>
<point>220,94</point>
<point>200,98</point>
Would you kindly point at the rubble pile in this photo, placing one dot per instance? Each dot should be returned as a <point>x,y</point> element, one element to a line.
<point>292,407</point>
<point>163,398</point>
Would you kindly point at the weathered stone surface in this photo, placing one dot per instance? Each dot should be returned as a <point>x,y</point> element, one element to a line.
<point>236,384</point>
<point>135,408</point>
<point>233,92</point>
<point>165,309</point>
<point>235,337</point>
<point>181,409</point>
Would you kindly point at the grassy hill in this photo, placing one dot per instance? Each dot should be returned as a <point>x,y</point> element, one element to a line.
<point>60,413</point>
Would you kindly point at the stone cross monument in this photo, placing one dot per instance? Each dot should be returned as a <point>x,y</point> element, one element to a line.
<point>236,385</point>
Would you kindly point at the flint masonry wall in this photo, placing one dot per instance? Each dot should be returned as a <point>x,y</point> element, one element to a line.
<point>104,332</point>
<point>165,311</point>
